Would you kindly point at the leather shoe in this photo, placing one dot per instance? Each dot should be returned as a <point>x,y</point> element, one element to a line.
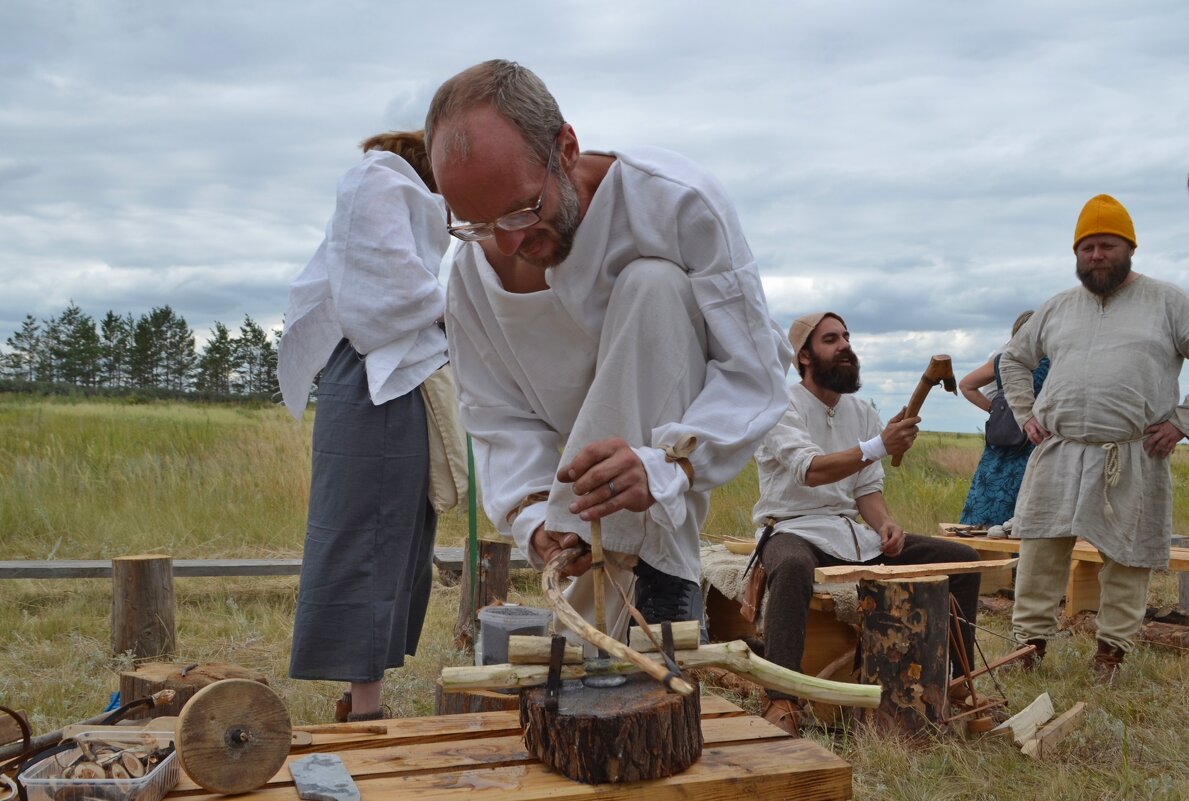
<point>789,715</point>
<point>1032,661</point>
<point>1107,662</point>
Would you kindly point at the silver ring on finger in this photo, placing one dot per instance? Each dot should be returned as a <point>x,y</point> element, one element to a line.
<point>611,486</point>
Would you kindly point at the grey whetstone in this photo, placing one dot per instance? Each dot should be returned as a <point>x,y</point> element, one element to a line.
<point>323,777</point>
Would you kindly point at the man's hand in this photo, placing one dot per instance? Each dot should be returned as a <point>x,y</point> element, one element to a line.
<point>1161,439</point>
<point>1035,431</point>
<point>607,476</point>
<point>891,539</point>
<point>900,433</point>
<point>549,544</point>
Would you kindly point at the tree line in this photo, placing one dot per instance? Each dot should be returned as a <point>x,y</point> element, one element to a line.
<point>155,351</point>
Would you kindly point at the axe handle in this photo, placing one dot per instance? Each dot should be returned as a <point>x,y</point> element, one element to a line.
<point>914,407</point>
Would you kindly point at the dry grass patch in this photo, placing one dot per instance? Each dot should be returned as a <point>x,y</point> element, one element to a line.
<point>98,479</point>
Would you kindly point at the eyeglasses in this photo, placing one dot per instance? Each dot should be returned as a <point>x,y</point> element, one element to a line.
<point>512,221</point>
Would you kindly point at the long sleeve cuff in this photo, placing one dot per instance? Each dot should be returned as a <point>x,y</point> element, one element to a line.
<point>522,531</point>
<point>668,484</point>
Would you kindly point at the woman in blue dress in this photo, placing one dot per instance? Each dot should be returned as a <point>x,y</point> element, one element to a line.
<point>991,500</point>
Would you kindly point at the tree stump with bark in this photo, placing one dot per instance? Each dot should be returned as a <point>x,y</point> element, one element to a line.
<point>142,617</point>
<point>151,677</point>
<point>905,647</point>
<point>635,731</point>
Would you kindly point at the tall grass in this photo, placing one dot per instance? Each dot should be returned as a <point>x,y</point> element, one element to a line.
<point>96,479</point>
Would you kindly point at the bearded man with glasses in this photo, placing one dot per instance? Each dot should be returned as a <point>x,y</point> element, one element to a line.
<point>609,334</point>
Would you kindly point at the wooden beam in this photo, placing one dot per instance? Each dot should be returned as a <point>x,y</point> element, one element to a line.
<point>847,573</point>
<point>448,560</point>
<point>182,568</point>
<point>1178,560</point>
<point>1054,732</point>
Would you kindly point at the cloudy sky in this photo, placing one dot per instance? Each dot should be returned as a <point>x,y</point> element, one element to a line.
<point>916,166</point>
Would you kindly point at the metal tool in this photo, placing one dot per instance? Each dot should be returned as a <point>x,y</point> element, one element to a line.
<point>323,777</point>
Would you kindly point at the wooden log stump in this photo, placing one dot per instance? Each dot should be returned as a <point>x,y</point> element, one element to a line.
<point>467,701</point>
<point>905,646</point>
<point>142,606</point>
<point>153,676</point>
<point>635,731</point>
<point>492,585</point>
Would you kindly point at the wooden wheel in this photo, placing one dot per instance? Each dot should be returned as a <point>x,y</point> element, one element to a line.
<point>233,736</point>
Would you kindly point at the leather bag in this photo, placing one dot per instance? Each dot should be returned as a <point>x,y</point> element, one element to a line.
<point>1002,431</point>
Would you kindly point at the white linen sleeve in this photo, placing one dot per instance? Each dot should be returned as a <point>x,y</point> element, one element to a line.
<point>385,244</point>
<point>744,393</point>
<point>1019,358</point>
<point>788,444</point>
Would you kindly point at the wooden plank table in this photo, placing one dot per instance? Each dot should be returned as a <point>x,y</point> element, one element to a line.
<point>1081,592</point>
<point>482,756</point>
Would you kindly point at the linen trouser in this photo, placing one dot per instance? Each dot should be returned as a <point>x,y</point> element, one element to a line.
<point>790,561</point>
<point>1041,577</point>
<point>651,365</point>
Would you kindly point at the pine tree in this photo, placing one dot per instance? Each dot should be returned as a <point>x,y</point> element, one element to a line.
<point>75,348</point>
<point>181,358</point>
<point>218,362</point>
<point>24,351</point>
<point>257,356</point>
<point>162,355</point>
<point>115,346</point>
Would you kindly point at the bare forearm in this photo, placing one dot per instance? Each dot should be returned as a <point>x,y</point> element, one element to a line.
<point>874,510</point>
<point>831,467</point>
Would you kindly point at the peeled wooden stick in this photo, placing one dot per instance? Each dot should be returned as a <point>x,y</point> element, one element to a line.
<point>600,591</point>
<point>551,584</point>
<point>733,656</point>
<point>534,650</point>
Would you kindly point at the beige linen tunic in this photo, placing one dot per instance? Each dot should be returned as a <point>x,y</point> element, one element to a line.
<point>827,515</point>
<point>1115,367</point>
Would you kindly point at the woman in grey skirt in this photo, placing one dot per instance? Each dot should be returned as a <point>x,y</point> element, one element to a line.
<point>365,312</point>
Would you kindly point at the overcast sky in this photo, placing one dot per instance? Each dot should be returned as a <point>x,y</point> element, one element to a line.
<point>917,167</point>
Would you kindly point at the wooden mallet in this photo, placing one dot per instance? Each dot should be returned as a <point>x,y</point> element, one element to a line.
<point>939,371</point>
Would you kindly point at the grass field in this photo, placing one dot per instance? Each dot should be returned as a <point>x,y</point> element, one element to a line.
<point>92,480</point>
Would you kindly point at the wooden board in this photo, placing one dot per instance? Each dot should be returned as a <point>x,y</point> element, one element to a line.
<point>847,573</point>
<point>454,756</point>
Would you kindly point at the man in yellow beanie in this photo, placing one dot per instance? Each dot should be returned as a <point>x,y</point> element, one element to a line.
<point>1104,427</point>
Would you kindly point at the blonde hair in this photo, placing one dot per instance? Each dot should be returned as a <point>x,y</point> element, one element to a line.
<point>410,146</point>
<point>1019,323</point>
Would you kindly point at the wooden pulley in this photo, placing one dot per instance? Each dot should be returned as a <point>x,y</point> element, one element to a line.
<point>233,736</point>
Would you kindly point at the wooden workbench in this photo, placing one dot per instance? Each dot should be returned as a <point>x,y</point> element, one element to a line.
<point>1081,592</point>
<point>482,756</point>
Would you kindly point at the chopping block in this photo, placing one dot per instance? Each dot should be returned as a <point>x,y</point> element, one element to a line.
<point>637,730</point>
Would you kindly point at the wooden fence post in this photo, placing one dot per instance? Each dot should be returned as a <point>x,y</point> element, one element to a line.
<point>492,585</point>
<point>905,647</point>
<point>142,603</point>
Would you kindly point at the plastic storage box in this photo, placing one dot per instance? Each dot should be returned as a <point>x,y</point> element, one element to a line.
<point>44,782</point>
<point>498,623</point>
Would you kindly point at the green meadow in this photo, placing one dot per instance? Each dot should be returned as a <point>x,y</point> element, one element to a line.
<point>99,479</point>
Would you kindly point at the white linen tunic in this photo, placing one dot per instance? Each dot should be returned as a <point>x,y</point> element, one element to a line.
<point>525,362</point>
<point>1115,370</point>
<point>826,516</point>
<point>373,280</point>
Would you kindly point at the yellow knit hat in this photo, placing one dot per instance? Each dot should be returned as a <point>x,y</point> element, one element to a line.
<point>1103,214</point>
